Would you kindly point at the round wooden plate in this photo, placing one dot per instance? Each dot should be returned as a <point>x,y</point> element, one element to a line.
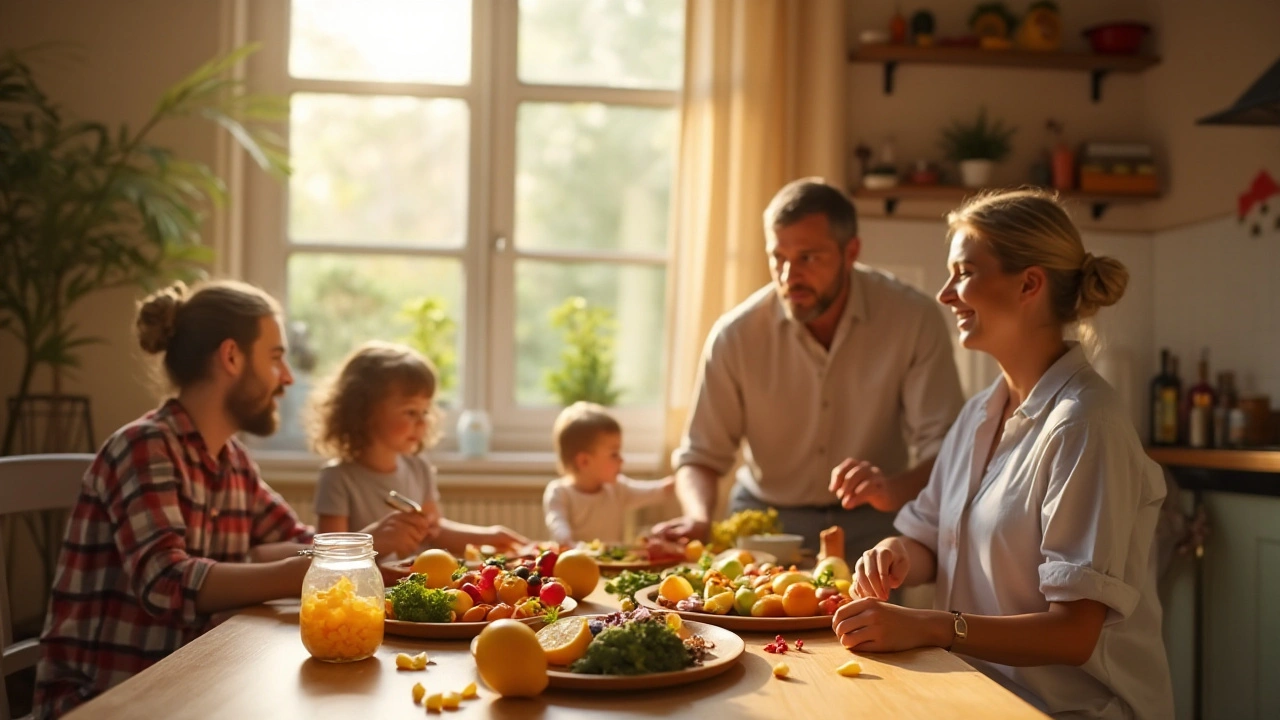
<point>728,648</point>
<point>647,597</point>
<point>458,630</point>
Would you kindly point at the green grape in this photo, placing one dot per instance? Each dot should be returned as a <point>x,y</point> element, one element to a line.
<point>747,522</point>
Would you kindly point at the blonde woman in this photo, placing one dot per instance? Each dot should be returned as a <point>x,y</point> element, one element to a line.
<point>1038,519</point>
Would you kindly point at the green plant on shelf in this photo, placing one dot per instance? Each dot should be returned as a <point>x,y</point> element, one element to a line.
<point>586,361</point>
<point>981,139</point>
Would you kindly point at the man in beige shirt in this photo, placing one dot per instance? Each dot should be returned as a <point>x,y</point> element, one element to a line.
<point>832,375</point>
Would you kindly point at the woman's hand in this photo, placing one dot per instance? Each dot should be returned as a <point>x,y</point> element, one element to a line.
<point>869,625</point>
<point>881,569</point>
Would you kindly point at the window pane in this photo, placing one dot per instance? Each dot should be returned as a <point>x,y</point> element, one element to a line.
<point>593,176</point>
<point>378,169</point>
<point>382,40</point>
<point>604,43</point>
<point>634,294</point>
<point>345,300</point>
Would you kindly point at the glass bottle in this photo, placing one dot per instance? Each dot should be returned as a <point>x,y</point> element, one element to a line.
<point>343,601</point>
<point>474,432</point>
<point>1165,390</point>
<point>1200,401</point>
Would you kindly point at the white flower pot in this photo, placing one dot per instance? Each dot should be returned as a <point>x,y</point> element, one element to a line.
<point>975,173</point>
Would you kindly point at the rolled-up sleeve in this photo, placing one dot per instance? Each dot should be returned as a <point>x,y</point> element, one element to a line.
<point>714,430</point>
<point>1093,496</point>
<point>150,535</point>
<point>931,394</point>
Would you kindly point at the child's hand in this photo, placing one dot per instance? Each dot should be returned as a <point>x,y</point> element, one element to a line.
<point>505,538</point>
<point>399,533</point>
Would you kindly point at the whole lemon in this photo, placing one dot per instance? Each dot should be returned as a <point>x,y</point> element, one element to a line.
<point>580,571</point>
<point>510,659</point>
<point>437,565</point>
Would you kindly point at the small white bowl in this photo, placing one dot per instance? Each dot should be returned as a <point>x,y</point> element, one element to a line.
<point>876,181</point>
<point>782,546</point>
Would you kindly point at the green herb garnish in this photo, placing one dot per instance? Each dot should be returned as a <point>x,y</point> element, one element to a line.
<point>637,648</point>
<point>412,601</point>
<point>629,581</point>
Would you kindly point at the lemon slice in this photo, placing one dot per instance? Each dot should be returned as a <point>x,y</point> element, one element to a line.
<point>565,640</point>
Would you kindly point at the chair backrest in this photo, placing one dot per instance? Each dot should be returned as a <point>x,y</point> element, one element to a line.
<point>29,483</point>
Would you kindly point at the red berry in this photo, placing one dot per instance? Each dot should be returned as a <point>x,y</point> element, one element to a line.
<point>551,593</point>
<point>799,644</point>
<point>777,638</point>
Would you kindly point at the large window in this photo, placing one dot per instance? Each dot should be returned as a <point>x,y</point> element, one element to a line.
<point>494,156</point>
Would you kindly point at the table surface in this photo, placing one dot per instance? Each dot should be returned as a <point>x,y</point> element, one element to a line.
<point>254,666</point>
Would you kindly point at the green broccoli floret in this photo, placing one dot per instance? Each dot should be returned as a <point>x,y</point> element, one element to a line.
<point>637,648</point>
<point>413,601</point>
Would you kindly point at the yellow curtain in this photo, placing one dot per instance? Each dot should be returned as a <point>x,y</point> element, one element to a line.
<point>764,90</point>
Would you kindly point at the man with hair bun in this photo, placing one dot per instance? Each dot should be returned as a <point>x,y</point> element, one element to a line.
<point>174,522</point>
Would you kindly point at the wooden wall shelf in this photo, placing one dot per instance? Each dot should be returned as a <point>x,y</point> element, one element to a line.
<point>1097,202</point>
<point>1096,65</point>
<point>1258,461</point>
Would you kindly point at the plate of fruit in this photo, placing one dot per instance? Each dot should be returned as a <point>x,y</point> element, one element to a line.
<point>637,650</point>
<point>647,554</point>
<point>764,598</point>
<point>445,600</point>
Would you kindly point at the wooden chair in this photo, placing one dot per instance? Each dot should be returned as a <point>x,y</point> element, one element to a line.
<point>29,483</point>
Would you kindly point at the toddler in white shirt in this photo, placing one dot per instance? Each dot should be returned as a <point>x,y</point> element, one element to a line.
<point>591,499</point>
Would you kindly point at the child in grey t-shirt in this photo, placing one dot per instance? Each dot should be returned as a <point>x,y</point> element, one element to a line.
<point>373,419</point>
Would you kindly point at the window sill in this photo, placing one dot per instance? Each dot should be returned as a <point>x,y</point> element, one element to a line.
<point>511,469</point>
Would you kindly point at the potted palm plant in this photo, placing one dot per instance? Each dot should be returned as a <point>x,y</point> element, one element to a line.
<point>85,207</point>
<point>976,147</point>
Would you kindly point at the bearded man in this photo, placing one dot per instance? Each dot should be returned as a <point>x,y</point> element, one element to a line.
<point>173,522</point>
<point>829,380</point>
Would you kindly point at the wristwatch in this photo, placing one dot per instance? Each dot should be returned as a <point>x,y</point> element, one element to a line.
<point>961,628</point>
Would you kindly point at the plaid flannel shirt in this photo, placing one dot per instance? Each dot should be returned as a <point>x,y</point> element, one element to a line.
<point>155,512</point>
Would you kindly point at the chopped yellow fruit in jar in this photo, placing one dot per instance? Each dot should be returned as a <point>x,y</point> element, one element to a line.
<point>849,669</point>
<point>418,692</point>
<point>781,670</point>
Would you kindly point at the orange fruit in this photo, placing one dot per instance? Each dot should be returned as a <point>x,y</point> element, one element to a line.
<point>675,588</point>
<point>768,606</point>
<point>510,659</point>
<point>579,571</point>
<point>565,640</point>
<point>800,600</point>
<point>438,565</point>
<point>512,590</point>
<point>459,601</point>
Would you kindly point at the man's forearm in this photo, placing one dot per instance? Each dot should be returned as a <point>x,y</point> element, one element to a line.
<point>696,490</point>
<point>904,487</point>
<point>230,585</point>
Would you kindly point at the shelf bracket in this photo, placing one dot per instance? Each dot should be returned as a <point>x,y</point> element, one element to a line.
<point>1098,210</point>
<point>890,204</point>
<point>1097,76</point>
<point>889,68</point>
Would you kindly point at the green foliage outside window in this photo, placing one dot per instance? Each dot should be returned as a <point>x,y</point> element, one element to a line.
<point>586,360</point>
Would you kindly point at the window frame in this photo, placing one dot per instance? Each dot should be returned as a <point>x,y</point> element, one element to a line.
<point>494,94</point>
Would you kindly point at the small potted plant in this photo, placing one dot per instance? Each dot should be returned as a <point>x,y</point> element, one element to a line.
<point>976,147</point>
<point>586,361</point>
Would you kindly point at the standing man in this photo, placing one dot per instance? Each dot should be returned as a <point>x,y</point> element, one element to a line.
<point>172,507</point>
<point>833,365</point>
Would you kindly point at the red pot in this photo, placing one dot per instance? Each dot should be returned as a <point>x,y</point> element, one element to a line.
<point>1118,38</point>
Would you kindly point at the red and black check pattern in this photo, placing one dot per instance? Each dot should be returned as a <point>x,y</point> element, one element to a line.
<point>155,512</point>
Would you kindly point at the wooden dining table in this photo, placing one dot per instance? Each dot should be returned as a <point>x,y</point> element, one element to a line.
<point>253,665</point>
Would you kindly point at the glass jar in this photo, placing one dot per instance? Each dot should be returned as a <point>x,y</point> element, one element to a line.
<point>343,603</point>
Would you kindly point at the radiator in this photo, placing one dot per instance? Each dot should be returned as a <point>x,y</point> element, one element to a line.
<point>519,508</point>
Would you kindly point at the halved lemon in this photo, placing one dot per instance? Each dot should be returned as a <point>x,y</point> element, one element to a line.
<point>565,640</point>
